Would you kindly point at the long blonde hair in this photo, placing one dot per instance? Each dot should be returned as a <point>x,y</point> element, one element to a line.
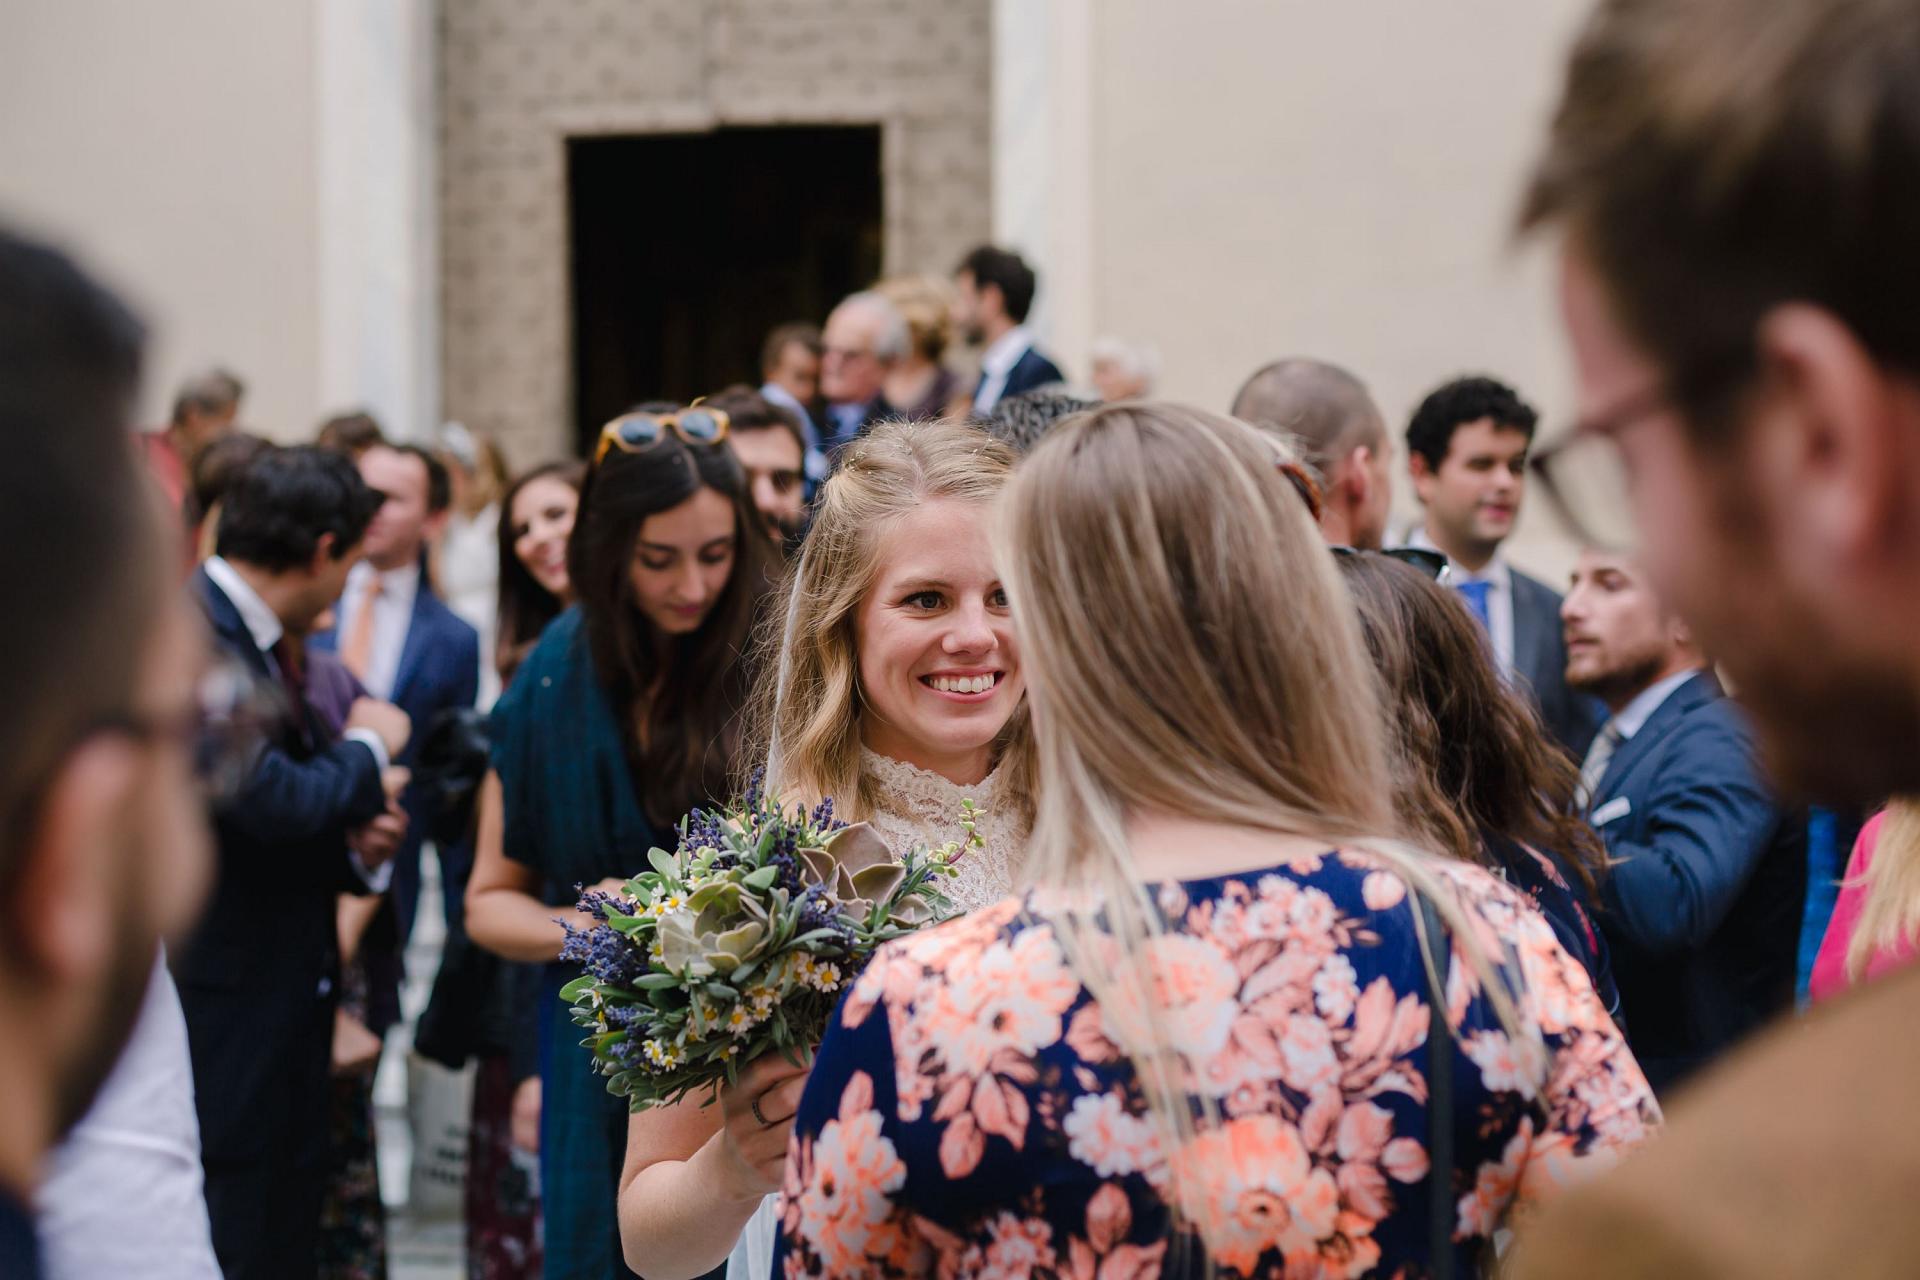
<point>807,706</point>
<point>1891,913</point>
<point>1189,650</point>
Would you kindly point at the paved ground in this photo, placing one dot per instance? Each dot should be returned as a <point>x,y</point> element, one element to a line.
<point>420,1246</point>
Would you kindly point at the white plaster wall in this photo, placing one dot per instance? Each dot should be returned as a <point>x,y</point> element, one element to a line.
<point>1271,177</point>
<point>256,177</point>
<point>171,146</point>
<point>378,247</point>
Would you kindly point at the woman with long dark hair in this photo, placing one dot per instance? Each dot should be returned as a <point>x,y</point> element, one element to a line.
<point>624,716</point>
<point>495,1009</point>
<point>1476,774</point>
<point>536,524</point>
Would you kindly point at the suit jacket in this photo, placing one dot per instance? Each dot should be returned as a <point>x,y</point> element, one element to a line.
<point>1540,662</point>
<point>1030,371</point>
<point>439,671</point>
<point>1703,906</point>
<point>258,973</point>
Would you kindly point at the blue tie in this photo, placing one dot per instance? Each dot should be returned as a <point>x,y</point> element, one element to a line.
<point>1475,594</point>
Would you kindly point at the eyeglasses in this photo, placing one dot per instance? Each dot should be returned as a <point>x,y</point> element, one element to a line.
<point>638,432</point>
<point>1433,564</point>
<point>1586,482</point>
<point>224,730</point>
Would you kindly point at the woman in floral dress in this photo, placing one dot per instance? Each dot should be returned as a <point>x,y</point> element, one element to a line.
<point>897,694</point>
<point>1207,1039</point>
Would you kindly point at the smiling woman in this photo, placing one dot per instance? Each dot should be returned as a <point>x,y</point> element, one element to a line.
<point>898,695</point>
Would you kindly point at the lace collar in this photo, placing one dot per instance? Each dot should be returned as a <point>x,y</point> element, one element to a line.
<point>918,806</point>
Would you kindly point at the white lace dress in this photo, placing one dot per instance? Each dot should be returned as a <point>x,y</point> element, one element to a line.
<point>916,807</point>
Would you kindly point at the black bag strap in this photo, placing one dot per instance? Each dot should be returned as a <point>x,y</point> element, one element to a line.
<point>1440,1158</point>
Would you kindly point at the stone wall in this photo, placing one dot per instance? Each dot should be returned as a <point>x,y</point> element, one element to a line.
<point>516,80</point>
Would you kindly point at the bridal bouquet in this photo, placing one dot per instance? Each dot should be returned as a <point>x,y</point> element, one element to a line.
<point>737,944</point>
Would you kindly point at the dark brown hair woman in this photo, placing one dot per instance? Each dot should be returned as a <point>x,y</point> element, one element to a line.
<point>536,520</point>
<point>1476,774</point>
<point>624,716</point>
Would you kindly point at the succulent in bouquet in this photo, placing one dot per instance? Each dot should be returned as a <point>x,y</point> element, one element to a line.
<point>737,944</point>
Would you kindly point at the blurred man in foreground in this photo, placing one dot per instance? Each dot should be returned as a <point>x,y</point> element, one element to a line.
<point>1748,360</point>
<point>104,852</point>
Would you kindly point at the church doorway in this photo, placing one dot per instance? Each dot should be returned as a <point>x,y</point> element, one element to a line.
<point>687,248</point>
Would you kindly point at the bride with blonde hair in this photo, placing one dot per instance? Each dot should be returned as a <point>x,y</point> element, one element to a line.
<point>1209,1035</point>
<point>897,695</point>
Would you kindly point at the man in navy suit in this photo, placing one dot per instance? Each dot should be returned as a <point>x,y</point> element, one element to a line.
<point>259,978</point>
<point>403,643</point>
<point>1702,906</point>
<point>1467,449</point>
<point>994,294</point>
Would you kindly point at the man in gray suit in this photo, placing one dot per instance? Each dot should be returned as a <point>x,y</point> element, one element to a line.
<point>1467,454</point>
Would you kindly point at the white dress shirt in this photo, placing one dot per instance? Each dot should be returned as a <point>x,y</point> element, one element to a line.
<point>392,619</point>
<point>1498,576</point>
<point>263,624</point>
<point>124,1194</point>
<point>469,569</point>
<point>1633,717</point>
<point>996,363</point>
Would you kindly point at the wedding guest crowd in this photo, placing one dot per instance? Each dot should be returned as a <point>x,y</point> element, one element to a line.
<point>1334,902</point>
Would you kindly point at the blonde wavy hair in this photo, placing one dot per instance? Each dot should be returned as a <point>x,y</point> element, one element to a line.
<point>807,706</point>
<point>1189,650</point>
<point>1890,916</point>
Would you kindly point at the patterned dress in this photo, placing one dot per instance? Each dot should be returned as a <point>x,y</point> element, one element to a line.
<point>916,807</point>
<point>970,1113</point>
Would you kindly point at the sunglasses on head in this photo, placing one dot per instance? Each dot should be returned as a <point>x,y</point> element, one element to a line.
<point>1431,563</point>
<point>638,432</point>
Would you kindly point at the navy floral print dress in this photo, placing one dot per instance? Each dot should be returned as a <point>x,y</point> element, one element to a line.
<point>970,1112</point>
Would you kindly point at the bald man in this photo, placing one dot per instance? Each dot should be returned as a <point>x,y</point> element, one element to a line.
<point>1341,434</point>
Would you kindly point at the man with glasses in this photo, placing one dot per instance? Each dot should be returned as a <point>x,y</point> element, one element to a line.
<point>864,337</point>
<point>772,451</point>
<point>1738,183</point>
<point>104,848</point>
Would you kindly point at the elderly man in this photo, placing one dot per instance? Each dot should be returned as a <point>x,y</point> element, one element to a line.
<point>1748,363</point>
<point>864,336</point>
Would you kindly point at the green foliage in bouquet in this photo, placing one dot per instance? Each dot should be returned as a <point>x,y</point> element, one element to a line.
<point>737,944</point>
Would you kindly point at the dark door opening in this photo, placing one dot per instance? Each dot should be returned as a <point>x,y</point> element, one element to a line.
<point>688,248</point>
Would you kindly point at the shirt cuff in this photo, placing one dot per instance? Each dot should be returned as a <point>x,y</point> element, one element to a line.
<point>372,742</point>
<point>378,879</point>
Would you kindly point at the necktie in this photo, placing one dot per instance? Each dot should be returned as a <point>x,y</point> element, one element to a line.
<point>291,657</point>
<point>356,652</point>
<point>1594,768</point>
<point>1474,592</point>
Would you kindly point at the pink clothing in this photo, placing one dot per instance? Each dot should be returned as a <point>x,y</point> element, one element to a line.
<point>1830,967</point>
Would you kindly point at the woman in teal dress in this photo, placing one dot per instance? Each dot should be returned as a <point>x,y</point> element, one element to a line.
<point>624,716</point>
